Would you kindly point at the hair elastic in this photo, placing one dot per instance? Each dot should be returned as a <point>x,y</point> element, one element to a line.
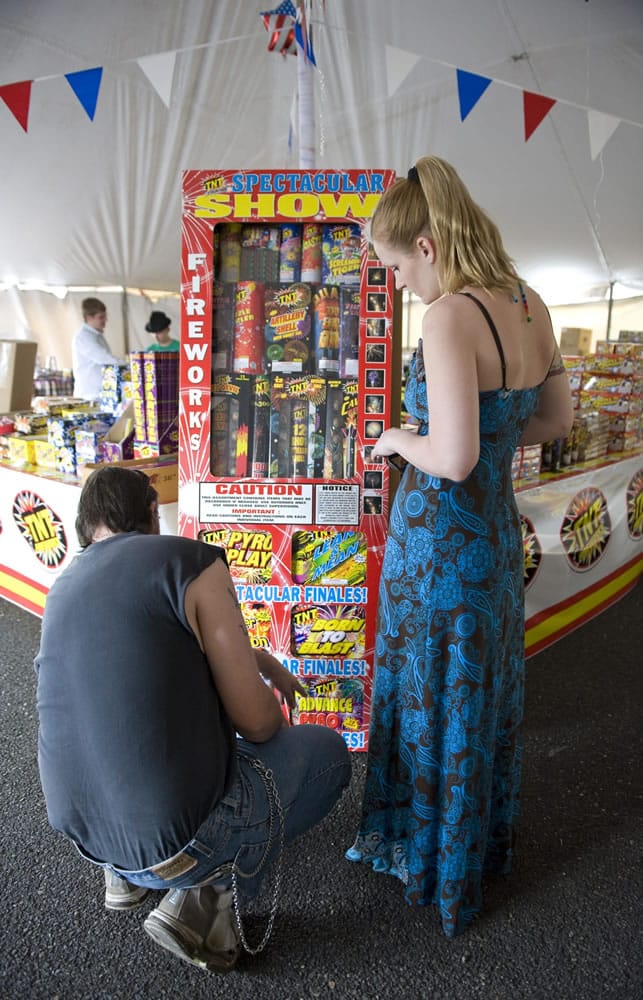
<point>413,175</point>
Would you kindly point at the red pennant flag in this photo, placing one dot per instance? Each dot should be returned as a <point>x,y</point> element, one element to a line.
<point>17,97</point>
<point>536,107</point>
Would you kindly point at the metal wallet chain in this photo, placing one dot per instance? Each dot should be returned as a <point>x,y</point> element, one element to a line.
<point>276,814</point>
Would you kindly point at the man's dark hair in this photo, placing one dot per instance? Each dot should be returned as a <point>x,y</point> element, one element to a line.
<point>121,499</point>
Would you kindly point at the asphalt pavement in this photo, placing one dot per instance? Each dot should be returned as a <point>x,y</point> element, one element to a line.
<point>565,925</point>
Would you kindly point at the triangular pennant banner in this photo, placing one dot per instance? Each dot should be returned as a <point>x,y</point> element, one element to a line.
<point>86,84</point>
<point>159,70</point>
<point>536,106</point>
<point>601,128</point>
<point>17,97</point>
<point>471,87</point>
<point>399,64</point>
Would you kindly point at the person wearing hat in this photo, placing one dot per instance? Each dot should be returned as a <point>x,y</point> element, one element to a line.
<point>159,325</point>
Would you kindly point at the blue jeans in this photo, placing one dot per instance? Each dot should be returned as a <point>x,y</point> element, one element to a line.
<point>310,768</point>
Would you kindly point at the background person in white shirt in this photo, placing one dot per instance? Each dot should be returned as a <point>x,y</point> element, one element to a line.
<point>90,351</point>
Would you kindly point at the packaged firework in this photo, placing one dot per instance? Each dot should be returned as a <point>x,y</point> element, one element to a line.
<point>223,313</point>
<point>260,253</point>
<point>249,324</point>
<point>349,308</point>
<point>329,630</point>
<point>259,445</point>
<point>311,252</point>
<point>227,264</point>
<point>334,702</point>
<point>256,617</point>
<point>290,253</point>
<point>230,424</point>
<point>287,310</point>
<point>341,253</point>
<point>296,442</point>
<point>340,428</point>
<point>249,553</point>
<point>329,556</point>
<point>326,329</point>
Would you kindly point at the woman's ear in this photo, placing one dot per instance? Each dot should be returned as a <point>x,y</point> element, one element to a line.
<point>426,247</point>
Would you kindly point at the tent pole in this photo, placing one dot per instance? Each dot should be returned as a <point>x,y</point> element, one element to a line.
<point>125,319</point>
<point>306,112</point>
<point>610,302</point>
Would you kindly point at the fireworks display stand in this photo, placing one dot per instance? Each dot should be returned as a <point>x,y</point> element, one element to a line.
<point>285,385</point>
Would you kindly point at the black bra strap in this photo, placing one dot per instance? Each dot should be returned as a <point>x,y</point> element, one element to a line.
<point>492,327</point>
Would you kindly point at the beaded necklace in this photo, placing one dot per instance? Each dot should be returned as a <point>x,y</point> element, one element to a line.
<point>523,299</point>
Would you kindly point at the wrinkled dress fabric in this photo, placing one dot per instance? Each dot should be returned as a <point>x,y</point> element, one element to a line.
<point>443,770</point>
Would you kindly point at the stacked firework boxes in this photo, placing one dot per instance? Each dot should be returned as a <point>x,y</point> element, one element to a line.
<point>155,385</point>
<point>285,333</point>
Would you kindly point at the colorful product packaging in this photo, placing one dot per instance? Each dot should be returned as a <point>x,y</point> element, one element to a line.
<point>326,329</point>
<point>249,327</point>
<point>288,324</point>
<point>290,253</point>
<point>296,435</point>
<point>223,312</point>
<point>329,556</point>
<point>341,253</point>
<point>349,309</point>
<point>260,259</point>
<point>311,252</point>
<point>227,265</point>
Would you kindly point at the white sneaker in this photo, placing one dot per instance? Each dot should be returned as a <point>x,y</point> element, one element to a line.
<point>121,894</point>
<point>197,925</point>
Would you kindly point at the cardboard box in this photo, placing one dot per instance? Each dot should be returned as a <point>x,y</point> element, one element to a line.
<point>17,364</point>
<point>574,340</point>
<point>163,473</point>
<point>118,443</point>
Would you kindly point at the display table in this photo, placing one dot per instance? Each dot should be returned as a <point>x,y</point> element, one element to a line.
<point>582,534</point>
<point>38,534</point>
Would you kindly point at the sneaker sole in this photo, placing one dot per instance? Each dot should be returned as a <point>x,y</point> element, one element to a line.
<point>133,903</point>
<point>170,938</point>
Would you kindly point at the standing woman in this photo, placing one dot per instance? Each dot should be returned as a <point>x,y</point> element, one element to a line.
<point>443,771</point>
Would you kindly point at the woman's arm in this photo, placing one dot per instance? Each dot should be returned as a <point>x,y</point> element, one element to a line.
<point>451,449</point>
<point>554,415</point>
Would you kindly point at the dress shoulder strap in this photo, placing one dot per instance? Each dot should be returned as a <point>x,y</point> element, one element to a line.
<point>492,326</point>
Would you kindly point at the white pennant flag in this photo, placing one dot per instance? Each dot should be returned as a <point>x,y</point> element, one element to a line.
<point>601,129</point>
<point>159,70</point>
<point>399,64</point>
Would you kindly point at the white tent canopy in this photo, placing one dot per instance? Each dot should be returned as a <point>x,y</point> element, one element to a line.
<point>92,196</point>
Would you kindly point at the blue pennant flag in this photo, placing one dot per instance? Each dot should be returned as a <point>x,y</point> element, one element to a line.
<point>86,84</point>
<point>471,87</point>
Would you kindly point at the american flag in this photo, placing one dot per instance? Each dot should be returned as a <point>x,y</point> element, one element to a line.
<point>280,22</point>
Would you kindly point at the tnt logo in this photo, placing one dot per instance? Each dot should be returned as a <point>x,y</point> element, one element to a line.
<point>41,528</point>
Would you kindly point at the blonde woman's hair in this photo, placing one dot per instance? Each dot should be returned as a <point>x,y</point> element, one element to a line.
<point>433,201</point>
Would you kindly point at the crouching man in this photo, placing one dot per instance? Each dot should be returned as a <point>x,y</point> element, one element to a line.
<point>164,756</point>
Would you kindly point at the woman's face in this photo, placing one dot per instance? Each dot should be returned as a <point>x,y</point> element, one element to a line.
<point>414,270</point>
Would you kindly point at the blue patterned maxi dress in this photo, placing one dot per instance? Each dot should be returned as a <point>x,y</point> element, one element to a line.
<point>443,768</point>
